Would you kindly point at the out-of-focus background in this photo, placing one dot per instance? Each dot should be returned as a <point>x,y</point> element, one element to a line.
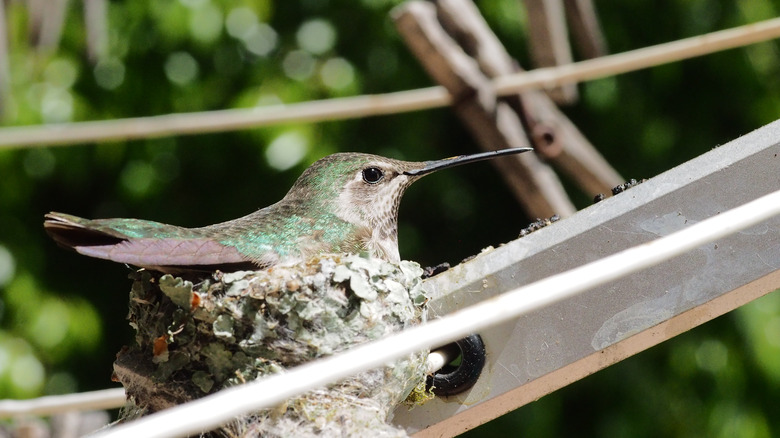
<point>62,315</point>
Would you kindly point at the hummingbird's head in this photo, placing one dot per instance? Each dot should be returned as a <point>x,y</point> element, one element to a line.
<point>370,196</point>
<point>365,190</point>
<point>361,189</point>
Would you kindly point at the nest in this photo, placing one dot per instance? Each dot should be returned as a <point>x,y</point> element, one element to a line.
<point>195,337</point>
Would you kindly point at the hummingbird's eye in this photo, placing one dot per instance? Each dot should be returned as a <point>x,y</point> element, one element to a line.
<point>373,175</point>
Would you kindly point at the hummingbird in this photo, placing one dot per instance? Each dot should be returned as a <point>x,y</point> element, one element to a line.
<point>343,203</point>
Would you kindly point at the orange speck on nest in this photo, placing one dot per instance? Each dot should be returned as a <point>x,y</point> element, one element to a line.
<point>195,301</point>
<point>160,346</point>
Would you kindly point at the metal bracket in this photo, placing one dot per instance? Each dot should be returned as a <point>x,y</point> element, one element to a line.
<point>548,349</point>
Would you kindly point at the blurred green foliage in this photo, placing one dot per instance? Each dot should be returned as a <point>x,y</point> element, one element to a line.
<point>62,317</point>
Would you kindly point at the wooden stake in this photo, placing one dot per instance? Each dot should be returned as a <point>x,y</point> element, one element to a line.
<point>548,38</point>
<point>96,22</point>
<point>5,67</point>
<point>585,28</point>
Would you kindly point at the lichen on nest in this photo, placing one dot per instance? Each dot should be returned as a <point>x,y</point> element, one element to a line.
<point>197,336</point>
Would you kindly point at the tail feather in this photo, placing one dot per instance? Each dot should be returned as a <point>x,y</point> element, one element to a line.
<point>72,231</point>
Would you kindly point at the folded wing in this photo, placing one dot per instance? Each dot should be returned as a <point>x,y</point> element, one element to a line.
<point>146,244</point>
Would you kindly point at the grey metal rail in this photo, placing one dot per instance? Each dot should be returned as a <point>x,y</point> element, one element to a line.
<point>573,338</point>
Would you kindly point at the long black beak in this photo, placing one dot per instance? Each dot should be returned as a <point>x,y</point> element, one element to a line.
<point>432,166</point>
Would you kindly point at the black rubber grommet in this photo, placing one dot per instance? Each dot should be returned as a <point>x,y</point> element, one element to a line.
<point>452,380</point>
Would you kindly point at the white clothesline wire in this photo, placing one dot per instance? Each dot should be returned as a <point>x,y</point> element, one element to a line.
<point>115,397</point>
<point>207,413</point>
<point>55,404</point>
<point>379,104</point>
